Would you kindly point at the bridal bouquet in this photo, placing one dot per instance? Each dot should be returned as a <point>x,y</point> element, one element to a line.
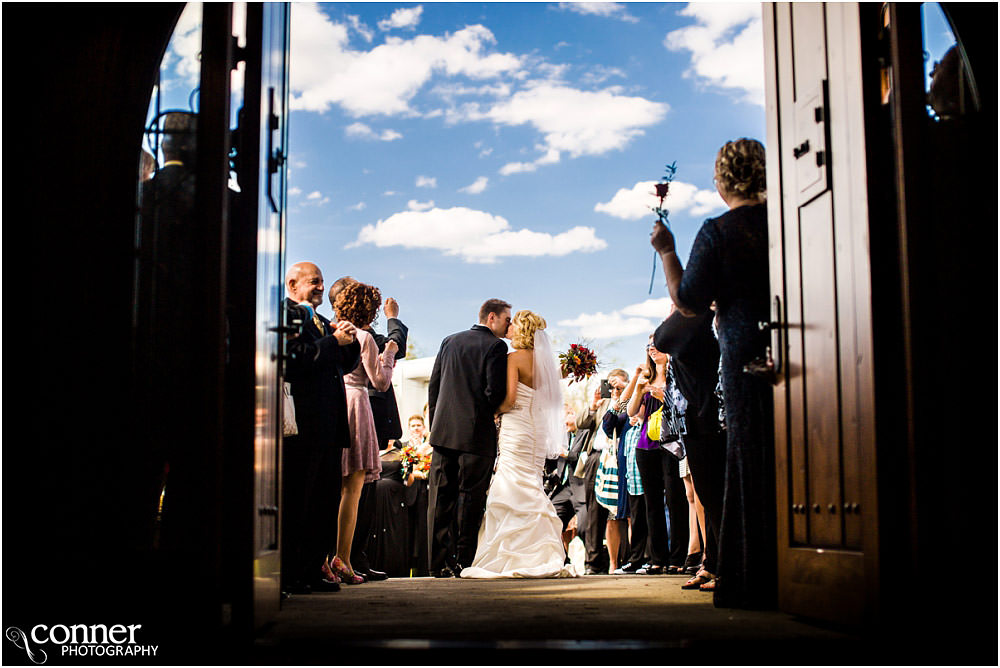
<point>579,362</point>
<point>413,461</point>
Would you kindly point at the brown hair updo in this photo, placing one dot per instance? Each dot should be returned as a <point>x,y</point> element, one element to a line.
<point>358,304</point>
<point>527,324</point>
<point>739,169</point>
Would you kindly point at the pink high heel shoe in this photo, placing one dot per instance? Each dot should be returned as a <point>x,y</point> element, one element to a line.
<point>346,575</point>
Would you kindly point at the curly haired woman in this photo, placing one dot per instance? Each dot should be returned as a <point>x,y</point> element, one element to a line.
<point>358,303</point>
<point>729,265</point>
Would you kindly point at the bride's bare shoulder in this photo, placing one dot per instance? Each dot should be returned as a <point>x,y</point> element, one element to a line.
<point>519,355</point>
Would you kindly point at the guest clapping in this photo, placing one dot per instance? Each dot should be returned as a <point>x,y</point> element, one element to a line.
<point>358,304</point>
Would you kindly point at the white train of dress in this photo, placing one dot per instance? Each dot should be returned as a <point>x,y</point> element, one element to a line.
<point>521,535</point>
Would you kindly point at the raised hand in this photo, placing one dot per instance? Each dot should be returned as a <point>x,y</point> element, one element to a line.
<point>391,348</point>
<point>391,308</point>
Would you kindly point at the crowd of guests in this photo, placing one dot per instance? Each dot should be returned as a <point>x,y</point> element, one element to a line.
<point>668,470</point>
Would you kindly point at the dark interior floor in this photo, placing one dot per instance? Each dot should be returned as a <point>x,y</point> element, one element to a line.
<point>587,620</point>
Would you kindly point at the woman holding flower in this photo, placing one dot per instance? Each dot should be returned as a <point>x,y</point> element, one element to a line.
<point>729,265</point>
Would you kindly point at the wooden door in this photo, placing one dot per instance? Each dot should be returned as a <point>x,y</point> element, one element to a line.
<point>820,275</point>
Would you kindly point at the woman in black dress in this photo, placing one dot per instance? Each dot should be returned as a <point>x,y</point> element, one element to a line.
<point>729,265</point>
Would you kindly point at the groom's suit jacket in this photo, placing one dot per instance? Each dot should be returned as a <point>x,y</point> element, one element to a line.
<point>467,385</point>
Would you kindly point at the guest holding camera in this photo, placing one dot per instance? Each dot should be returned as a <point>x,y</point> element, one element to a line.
<point>659,470</point>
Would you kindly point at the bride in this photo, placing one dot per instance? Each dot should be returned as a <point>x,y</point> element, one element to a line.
<point>520,536</point>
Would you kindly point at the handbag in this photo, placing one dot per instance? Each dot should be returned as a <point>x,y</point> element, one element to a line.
<point>654,426</point>
<point>606,481</point>
<point>289,426</point>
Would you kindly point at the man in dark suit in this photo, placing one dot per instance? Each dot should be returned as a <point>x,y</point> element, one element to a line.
<point>386,417</point>
<point>318,358</point>
<point>565,489</point>
<point>467,385</point>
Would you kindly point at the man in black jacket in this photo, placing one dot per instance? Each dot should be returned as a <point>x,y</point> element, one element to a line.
<point>318,358</point>
<point>467,385</point>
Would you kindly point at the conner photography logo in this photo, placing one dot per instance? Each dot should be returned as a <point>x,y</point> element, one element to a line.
<point>80,640</point>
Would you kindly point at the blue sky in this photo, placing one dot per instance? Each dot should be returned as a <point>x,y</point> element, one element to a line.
<point>453,152</point>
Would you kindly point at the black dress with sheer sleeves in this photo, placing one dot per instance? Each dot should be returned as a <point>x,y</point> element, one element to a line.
<point>729,265</point>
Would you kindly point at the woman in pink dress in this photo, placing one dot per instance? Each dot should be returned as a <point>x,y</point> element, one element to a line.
<point>358,303</point>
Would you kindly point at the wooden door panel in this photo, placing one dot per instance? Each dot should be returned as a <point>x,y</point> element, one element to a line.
<point>808,46</point>
<point>821,274</point>
<point>822,378</point>
<point>823,583</point>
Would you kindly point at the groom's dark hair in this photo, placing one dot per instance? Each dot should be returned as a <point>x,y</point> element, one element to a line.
<point>497,306</point>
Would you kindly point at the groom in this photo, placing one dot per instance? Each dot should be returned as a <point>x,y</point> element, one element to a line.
<point>467,385</point>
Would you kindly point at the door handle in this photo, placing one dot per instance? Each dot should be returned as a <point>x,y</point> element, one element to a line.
<point>275,158</point>
<point>769,367</point>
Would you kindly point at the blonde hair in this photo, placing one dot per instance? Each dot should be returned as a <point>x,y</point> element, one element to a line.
<point>740,169</point>
<point>527,324</point>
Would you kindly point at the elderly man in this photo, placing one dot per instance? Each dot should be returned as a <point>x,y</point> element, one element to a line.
<point>319,357</point>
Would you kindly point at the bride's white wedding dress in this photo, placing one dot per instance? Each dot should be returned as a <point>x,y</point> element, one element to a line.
<point>521,535</point>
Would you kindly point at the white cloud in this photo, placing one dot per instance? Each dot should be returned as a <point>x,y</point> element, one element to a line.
<point>414,205</point>
<point>389,193</point>
<point>427,182</point>
<point>641,318</point>
<point>316,198</point>
<point>404,17</point>
<point>638,201</point>
<point>361,131</point>
<point>607,9</point>
<point>361,28</point>
<point>360,206</point>
<point>294,190</point>
<point>651,308</point>
<point>476,236</point>
<point>600,73</point>
<point>726,46</point>
<point>577,122</point>
<point>185,46</point>
<point>384,80</point>
<point>476,187</point>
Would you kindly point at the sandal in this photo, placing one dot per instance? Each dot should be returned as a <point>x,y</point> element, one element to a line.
<point>709,586</point>
<point>703,577</point>
<point>693,563</point>
<point>346,575</point>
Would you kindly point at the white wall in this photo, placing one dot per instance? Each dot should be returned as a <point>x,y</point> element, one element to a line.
<point>409,381</point>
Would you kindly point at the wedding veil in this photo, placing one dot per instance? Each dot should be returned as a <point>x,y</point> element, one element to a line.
<point>548,398</point>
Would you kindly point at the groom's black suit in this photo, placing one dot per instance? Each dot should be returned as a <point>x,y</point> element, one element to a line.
<point>467,385</point>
